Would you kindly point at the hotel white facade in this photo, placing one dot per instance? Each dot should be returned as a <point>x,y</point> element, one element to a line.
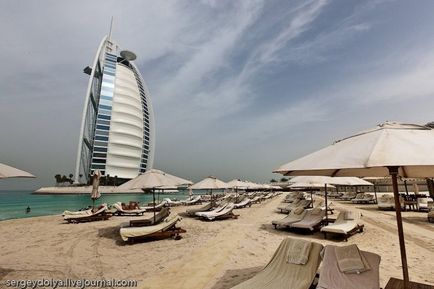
<point>117,134</point>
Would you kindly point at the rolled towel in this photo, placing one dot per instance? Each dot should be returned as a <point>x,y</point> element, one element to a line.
<point>351,260</point>
<point>298,252</point>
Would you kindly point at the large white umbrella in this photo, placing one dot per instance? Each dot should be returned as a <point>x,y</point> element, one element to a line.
<point>11,172</point>
<point>390,149</point>
<point>314,182</point>
<point>210,183</point>
<point>153,179</point>
<point>237,184</point>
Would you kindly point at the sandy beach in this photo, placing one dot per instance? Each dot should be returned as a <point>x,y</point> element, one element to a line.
<point>212,255</point>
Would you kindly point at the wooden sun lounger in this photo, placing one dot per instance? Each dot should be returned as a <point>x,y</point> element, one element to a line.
<point>332,277</point>
<point>278,273</point>
<point>343,226</point>
<point>159,217</point>
<point>123,212</point>
<point>99,215</point>
<point>166,229</point>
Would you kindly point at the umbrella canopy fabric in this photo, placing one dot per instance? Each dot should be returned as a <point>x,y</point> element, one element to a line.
<point>209,183</point>
<point>237,184</point>
<point>151,179</point>
<point>95,194</point>
<point>369,153</point>
<point>11,172</point>
<point>389,149</point>
<point>309,185</point>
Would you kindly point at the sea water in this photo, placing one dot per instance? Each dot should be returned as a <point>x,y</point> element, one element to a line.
<point>13,204</point>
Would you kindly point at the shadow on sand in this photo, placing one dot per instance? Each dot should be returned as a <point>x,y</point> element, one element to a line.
<point>232,278</point>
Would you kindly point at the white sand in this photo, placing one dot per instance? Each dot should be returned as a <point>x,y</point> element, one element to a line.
<point>211,255</point>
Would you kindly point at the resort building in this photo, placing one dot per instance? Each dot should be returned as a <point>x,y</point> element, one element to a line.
<point>117,130</point>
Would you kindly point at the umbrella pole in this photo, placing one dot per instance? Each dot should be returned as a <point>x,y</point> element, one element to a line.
<point>406,189</point>
<point>153,201</point>
<point>326,206</point>
<point>375,193</point>
<point>311,198</point>
<point>393,171</point>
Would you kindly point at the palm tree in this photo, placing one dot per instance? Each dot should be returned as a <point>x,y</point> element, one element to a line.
<point>273,181</point>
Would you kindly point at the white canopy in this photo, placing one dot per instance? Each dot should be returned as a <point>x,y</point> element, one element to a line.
<point>389,149</point>
<point>322,180</point>
<point>152,179</point>
<point>209,183</point>
<point>237,184</point>
<point>309,185</point>
<point>369,153</point>
<point>11,172</point>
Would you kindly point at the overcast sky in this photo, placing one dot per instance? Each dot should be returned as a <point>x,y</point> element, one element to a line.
<point>238,87</point>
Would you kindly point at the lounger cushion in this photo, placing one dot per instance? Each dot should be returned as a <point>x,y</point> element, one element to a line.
<point>332,278</point>
<point>131,232</point>
<point>298,210</point>
<point>278,274</point>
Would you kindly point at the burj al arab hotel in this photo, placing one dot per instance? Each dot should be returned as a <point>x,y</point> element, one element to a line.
<point>117,134</point>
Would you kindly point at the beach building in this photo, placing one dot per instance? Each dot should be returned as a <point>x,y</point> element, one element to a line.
<point>117,133</point>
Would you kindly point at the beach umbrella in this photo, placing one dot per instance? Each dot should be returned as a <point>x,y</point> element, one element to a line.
<point>95,194</point>
<point>236,184</point>
<point>210,183</point>
<point>390,149</point>
<point>312,183</point>
<point>11,172</point>
<point>153,179</point>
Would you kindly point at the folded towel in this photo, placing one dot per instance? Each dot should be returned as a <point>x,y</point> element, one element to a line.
<point>351,260</point>
<point>298,252</point>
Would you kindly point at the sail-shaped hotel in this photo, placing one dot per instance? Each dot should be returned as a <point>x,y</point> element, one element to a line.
<point>117,130</point>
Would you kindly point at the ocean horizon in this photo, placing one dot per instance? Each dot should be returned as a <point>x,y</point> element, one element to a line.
<point>13,203</point>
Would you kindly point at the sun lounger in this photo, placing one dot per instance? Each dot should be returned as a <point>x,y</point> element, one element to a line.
<point>332,277</point>
<point>215,210</point>
<point>279,273</point>
<point>256,200</point>
<point>301,203</point>
<point>244,203</point>
<point>431,212</point>
<point>387,202</point>
<point>359,198</point>
<point>171,203</point>
<point>422,203</point>
<point>100,214</point>
<point>159,217</point>
<point>348,196</point>
<point>126,212</point>
<point>296,215</point>
<point>77,213</point>
<point>193,201</point>
<point>312,220</point>
<point>165,229</point>
<point>363,199</point>
<point>287,207</point>
<point>347,223</point>
<point>431,216</point>
<point>205,208</point>
<point>158,207</point>
<point>225,213</point>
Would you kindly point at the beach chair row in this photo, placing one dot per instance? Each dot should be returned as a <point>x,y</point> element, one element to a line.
<point>296,265</point>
